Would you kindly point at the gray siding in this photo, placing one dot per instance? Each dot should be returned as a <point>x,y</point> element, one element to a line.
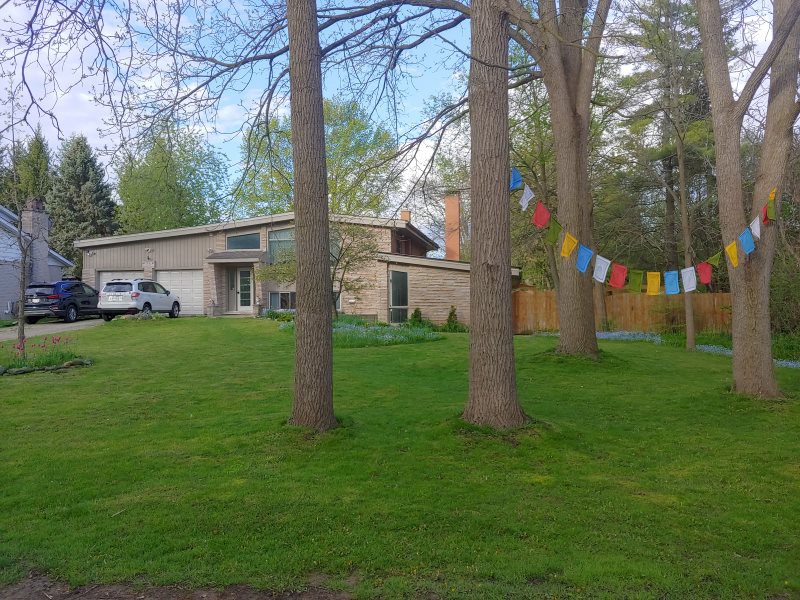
<point>9,286</point>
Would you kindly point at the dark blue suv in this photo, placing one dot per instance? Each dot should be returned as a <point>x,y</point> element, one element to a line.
<point>67,299</point>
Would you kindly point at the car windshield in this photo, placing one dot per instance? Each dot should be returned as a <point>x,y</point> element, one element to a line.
<point>117,287</point>
<point>39,290</point>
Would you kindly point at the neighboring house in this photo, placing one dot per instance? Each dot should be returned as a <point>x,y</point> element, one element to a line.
<point>45,266</point>
<point>211,268</point>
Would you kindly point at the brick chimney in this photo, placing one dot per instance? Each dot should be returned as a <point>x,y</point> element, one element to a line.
<point>452,226</point>
<point>36,223</point>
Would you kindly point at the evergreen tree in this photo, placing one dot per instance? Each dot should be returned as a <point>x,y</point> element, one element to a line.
<point>79,201</point>
<point>35,176</point>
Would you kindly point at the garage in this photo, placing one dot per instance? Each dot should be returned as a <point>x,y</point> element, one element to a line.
<point>187,284</point>
<point>104,277</point>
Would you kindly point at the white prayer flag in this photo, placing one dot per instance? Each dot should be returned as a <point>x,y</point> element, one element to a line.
<point>755,227</point>
<point>527,196</point>
<point>601,265</point>
<point>689,278</point>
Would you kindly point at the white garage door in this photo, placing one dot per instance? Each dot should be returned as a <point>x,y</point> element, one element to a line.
<point>187,285</point>
<point>104,277</point>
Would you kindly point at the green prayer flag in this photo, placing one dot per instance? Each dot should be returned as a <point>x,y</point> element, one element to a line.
<point>635,278</point>
<point>553,231</point>
<point>714,260</point>
<point>771,209</point>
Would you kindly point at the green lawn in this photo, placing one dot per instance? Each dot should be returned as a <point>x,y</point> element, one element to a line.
<point>169,461</point>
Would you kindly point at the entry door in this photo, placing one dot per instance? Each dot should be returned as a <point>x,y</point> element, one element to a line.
<point>245,289</point>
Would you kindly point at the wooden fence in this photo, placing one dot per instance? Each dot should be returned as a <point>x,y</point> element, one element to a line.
<point>535,310</point>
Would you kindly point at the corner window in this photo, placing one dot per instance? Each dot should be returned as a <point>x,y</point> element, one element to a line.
<point>247,241</point>
<point>280,242</point>
<point>282,300</point>
<point>398,296</point>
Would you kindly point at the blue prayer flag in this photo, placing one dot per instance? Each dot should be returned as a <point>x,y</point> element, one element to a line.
<point>747,241</point>
<point>584,256</point>
<point>671,282</point>
<point>516,179</point>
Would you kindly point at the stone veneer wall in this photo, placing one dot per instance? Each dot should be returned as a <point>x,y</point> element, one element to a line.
<point>435,289</point>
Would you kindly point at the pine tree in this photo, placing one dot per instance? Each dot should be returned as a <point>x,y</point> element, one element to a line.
<point>80,199</point>
<point>35,176</point>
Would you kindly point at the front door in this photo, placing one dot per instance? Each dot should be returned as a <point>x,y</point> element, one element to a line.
<point>244,289</point>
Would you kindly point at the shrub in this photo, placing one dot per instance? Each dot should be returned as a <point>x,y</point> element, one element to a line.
<point>143,316</point>
<point>55,350</point>
<point>416,317</point>
<point>452,325</point>
<point>283,316</point>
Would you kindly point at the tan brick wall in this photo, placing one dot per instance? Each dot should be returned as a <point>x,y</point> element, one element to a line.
<point>371,300</point>
<point>435,290</point>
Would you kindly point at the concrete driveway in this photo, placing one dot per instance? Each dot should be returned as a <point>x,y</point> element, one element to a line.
<point>49,328</point>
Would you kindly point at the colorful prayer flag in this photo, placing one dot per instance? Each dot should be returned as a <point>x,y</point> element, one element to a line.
<point>568,245</point>
<point>584,258</point>
<point>771,209</point>
<point>733,253</point>
<point>618,274</point>
<point>746,239</point>
<point>525,199</point>
<point>601,265</point>
<point>541,215</point>
<point>653,283</point>
<point>671,286</point>
<point>689,279</point>
<point>714,260</point>
<point>516,179</point>
<point>635,278</point>
<point>755,227</point>
<point>764,215</point>
<point>551,237</point>
<point>704,272</point>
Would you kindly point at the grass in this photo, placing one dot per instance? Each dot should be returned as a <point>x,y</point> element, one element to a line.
<point>784,346</point>
<point>7,323</point>
<point>44,352</point>
<point>170,461</point>
<point>354,332</point>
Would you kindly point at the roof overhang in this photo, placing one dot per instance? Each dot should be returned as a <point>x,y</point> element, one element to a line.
<point>237,256</point>
<point>434,263</point>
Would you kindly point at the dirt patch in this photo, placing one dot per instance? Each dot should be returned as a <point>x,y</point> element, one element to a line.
<point>38,587</point>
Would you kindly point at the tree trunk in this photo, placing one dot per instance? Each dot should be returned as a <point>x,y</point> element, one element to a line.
<point>24,264</point>
<point>753,370</point>
<point>686,230</point>
<point>670,241</point>
<point>574,299</point>
<point>313,379</point>
<point>492,377</point>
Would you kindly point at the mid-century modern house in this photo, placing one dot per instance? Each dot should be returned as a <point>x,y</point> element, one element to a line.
<point>45,264</point>
<point>212,267</point>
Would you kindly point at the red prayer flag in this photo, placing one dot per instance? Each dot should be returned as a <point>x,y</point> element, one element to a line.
<point>704,273</point>
<point>764,216</point>
<point>618,275</point>
<point>541,216</point>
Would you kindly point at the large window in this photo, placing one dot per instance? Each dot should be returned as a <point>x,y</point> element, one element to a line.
<point>398,296</point>
<point>281,242</point>
<point>282,301</point>
<point>247,241</point>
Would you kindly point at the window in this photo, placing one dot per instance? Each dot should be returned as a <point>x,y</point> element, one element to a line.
<point>117,287</point>
<point>398,296</point>
<point>247,241</point>
<point>147,286</point>
<point>337,300</point>
<point>160,289</point>
<point>89,291</point>
<point>282,300</point>
<point>281,241</point>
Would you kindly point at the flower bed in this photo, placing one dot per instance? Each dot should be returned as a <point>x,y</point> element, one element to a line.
<point>350,332</point>
<point>49,354</point>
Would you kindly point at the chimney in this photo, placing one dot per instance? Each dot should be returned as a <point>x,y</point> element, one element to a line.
<point>452,226</point>
<point>405,215</point>
<point>36,223</point>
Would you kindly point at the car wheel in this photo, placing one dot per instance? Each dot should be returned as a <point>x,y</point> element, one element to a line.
<point>147,309</point>
<point>72,314</point>
<point>108,318</point>
<point>174,311</point>
<point>32,320</point>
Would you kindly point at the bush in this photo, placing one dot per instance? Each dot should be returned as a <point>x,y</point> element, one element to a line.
<point>143,316</point>
<point>452,325</point>
<point>283,316</point>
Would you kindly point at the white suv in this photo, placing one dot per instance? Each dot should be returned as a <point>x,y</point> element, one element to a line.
<point>130,296</point>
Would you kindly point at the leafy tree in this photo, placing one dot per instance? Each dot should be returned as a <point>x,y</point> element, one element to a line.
<point>174,180</point>
<point>358,154</point>
<point>79,201</point>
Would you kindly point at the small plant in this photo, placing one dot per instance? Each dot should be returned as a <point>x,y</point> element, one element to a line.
<point>145,316</point>
<point>416,317</point>
<point>282,316</point>
<point>452,325</point>
<point>55,350</point>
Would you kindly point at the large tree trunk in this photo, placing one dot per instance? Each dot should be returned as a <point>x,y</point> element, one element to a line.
<point>670,240</point>
<point>753,371</point>
<point>492,377</point>
<point>313,378</point>
<point>574,299</point>
<point>688,298</point>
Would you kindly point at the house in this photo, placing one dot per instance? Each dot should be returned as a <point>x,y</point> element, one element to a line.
<point>212,268</point>
<point>45,265</point>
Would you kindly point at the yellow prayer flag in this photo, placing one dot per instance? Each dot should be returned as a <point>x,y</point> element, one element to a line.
<point>733,253</point>
<point>653,283</point>
<point>570,242</point>
<point>772,194</point>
